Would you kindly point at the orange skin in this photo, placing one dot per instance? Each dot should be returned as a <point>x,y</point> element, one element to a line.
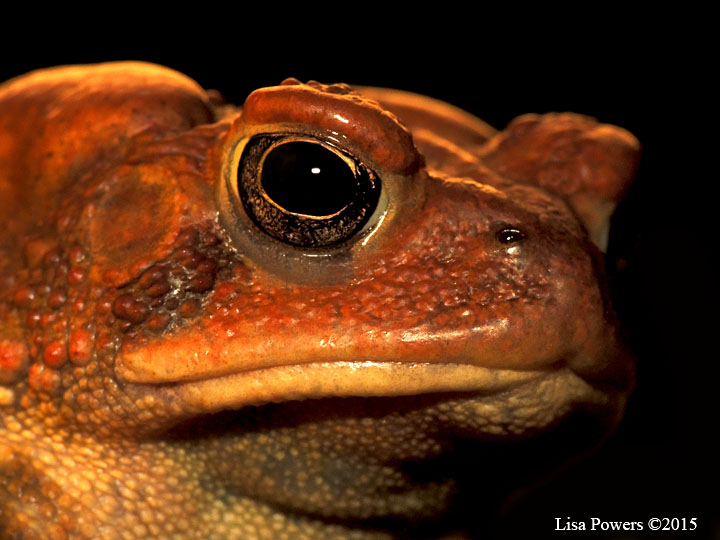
<point>136,296</point>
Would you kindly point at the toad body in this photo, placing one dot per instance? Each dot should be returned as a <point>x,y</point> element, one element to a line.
<point>334,312</point>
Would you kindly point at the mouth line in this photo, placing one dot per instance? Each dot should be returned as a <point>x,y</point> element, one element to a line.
<point>345,379</point>
<point>197,354</point>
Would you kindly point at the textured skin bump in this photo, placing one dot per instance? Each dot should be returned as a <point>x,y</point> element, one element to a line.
<point>159,378</point>
<point>589,164</point>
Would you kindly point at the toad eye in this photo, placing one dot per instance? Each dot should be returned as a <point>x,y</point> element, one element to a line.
<point>305,192</point>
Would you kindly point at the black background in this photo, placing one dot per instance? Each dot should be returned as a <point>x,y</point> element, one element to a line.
<point>661,461</point>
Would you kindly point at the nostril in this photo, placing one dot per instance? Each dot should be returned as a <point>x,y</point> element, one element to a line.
<point>509,235</point>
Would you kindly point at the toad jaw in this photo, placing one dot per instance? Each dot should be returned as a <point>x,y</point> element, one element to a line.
<point>212,368</point>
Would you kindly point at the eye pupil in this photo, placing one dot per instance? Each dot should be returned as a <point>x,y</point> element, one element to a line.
<point>510,235</point>
<point>307,178</point>
<point>305,192</point>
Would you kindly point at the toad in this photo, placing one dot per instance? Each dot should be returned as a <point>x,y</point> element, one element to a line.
<point>333,312</point>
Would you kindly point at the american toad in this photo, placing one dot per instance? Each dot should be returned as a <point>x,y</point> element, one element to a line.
<point>327,314</point>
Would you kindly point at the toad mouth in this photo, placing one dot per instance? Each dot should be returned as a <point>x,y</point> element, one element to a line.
<point>373,379</point>
<point>459,357</point>
<point>358,379</point>
<point>213,372</point>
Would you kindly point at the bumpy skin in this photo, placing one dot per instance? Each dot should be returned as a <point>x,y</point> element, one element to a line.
<point>169,371</point>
